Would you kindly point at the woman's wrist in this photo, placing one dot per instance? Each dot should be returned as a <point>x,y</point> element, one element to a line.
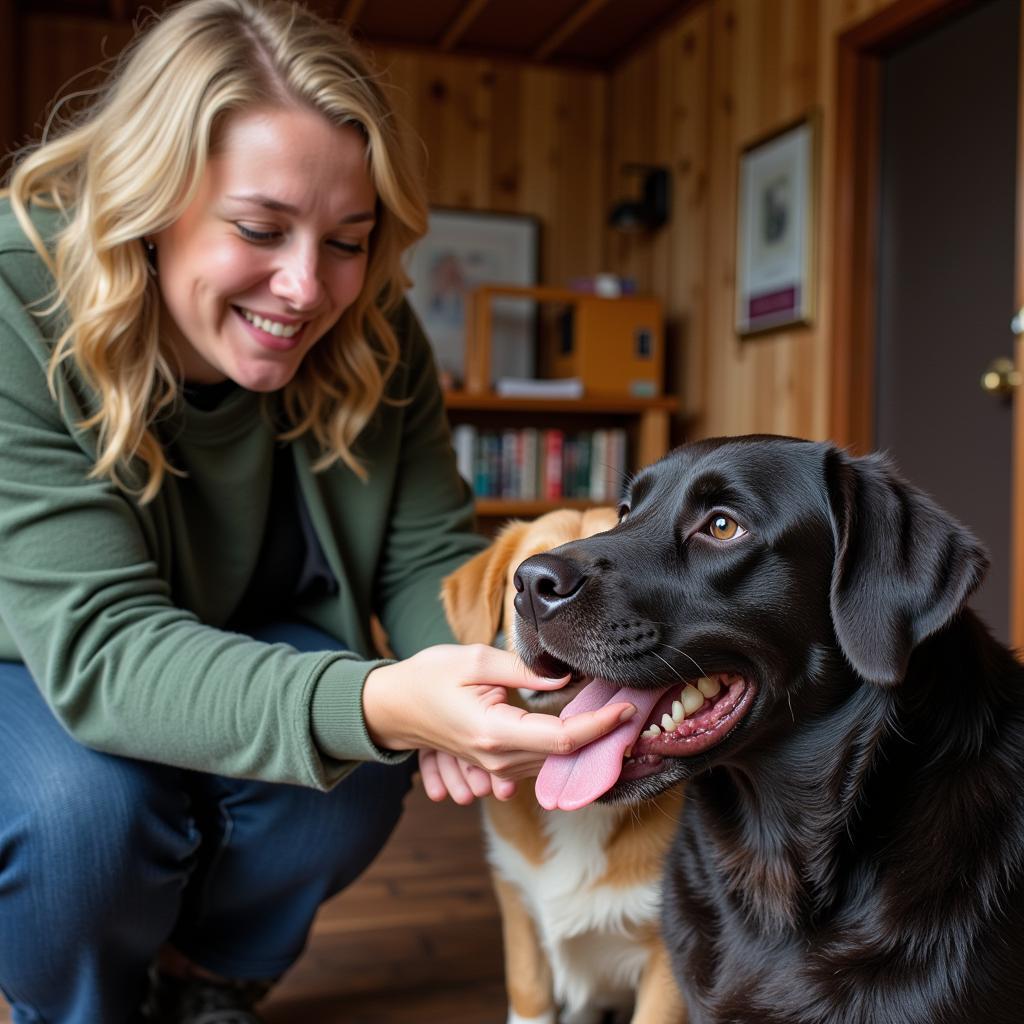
<point>384,709</point>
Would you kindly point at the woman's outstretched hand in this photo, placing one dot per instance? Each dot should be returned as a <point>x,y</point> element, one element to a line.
<point>452,701</point>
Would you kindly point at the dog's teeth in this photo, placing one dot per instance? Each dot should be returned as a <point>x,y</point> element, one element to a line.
<point>653,731</point>
<point>677,711</point>
<point>629,752</point>
<point>692,699</point>
<point>709,687</point>
<point>667,723</point>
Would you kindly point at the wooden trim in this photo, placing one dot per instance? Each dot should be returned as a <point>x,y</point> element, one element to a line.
<point>454,32</point>
<point>1017,454</point>
<point>502,508</point>
<point>853,285</point>
<point>856,182</point>
<point>606,405</point>
<point>899,22</point>
<point>1017,495</point>
<point>579,17</point>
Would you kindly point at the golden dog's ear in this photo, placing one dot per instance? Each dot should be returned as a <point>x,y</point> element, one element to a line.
<point>473,595</point>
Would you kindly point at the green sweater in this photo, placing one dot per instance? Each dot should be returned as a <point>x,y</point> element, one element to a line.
<point>118,609</point>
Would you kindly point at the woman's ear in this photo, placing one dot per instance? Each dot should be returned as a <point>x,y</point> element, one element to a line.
<point>903,567</point>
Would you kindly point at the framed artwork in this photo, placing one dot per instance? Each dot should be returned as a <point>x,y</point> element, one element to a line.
<point>463,249</point>
<point>776,230</point>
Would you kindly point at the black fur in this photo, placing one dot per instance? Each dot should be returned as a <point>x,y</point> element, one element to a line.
<point>853,851</point>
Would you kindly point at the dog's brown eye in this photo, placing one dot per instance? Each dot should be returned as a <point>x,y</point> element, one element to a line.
<point>723,527</point>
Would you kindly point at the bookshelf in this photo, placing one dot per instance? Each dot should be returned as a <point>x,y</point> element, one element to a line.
<point>621,431</point>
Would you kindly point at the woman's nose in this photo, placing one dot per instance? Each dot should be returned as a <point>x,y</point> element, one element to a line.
<point>297,279</point>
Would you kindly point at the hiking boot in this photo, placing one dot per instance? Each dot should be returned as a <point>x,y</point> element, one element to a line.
<point>195,1000</point>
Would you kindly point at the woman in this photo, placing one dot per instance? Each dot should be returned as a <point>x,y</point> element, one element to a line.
<point>223,448</point>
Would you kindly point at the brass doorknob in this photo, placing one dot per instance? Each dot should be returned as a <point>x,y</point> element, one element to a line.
<point>1001,378</point>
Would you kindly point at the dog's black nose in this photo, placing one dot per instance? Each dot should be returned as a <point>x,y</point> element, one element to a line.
<point>544,583</point>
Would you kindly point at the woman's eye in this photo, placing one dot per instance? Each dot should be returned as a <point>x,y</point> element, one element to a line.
<point>723,527</point>
<point>252,235</point>
<point>348,248</point>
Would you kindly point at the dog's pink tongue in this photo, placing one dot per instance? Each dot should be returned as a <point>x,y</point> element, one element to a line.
<point>571,781</point>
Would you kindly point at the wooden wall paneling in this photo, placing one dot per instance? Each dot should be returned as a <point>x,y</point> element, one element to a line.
<point>512,138</point>
<point>688,54</point>
<point>563,158</point>
<point>453,115</point>
<point>660,115</point>
<point>64,55</point>
<point>722,383</point>
<point>765,60</point>
<point>579,161</point>
<point>632,138</point>
<point>506,148</point>
<point>538,145</point>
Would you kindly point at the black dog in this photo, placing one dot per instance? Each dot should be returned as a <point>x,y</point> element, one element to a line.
<point>852,842</point>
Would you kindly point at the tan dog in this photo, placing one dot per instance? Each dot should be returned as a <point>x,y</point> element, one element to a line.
<point>580,891</point>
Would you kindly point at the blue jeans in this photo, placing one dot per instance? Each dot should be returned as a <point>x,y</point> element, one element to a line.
<point>103,859</point>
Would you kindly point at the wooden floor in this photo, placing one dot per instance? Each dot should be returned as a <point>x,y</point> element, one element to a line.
<point>416,939</point>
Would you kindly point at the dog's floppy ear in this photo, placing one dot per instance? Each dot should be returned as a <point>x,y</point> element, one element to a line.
<point>903,567</point>
<point>473,595</point>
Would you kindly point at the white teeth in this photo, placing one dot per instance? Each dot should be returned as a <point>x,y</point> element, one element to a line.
<point>709,687</point>
<point>279,330</point>
<point>677,711</point>
<point>691,698</point>
<point>651,732</point>
<point>667,723</point>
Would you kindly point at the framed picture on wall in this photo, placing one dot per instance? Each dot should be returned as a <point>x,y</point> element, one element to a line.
<point>461,250</point>
<point>776,230</point>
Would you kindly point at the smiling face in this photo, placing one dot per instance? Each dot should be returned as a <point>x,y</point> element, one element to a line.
<point>270,252</point>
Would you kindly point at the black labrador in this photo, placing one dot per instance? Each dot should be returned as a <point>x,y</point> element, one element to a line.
<point>852,844</point>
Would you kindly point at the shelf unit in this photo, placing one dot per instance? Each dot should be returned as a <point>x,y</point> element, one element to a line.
<point>646,420</point>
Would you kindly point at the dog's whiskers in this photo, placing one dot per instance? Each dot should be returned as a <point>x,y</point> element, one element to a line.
<point>670,668</point>
<point>685,655</point>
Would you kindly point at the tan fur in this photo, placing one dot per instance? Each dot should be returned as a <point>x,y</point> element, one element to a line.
<point>527,973</point>
<point>518,821</point>
<point>637,849</point>
<point>658,998</point>
<point>478,599</point>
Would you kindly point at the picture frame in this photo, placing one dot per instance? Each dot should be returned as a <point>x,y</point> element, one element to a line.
<point>776,230</point>
<point>461,250</point>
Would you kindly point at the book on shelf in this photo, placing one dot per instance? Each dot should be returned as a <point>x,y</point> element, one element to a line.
<point>535,387</point>
<point>532,463</point>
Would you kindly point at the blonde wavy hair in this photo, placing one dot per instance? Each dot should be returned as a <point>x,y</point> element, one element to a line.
<point>133,162</point>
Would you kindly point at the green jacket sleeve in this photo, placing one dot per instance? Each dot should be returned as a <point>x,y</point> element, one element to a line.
<point>83,604</point>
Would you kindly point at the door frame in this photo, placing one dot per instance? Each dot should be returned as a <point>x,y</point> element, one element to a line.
<point>858,135</point>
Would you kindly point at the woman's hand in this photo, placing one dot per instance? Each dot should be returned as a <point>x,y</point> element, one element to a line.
<point>452,699</point>
<point>447,776</point>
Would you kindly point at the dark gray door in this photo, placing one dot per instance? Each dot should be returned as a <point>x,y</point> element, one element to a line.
<point>947,238</point>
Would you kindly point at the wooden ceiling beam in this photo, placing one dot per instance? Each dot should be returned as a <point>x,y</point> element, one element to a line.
<point>352,11</point>
<point>579,17</point>
<point>454,32</point>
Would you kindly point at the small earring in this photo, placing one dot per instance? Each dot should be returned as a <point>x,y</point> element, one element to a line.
<point>150,256</point>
